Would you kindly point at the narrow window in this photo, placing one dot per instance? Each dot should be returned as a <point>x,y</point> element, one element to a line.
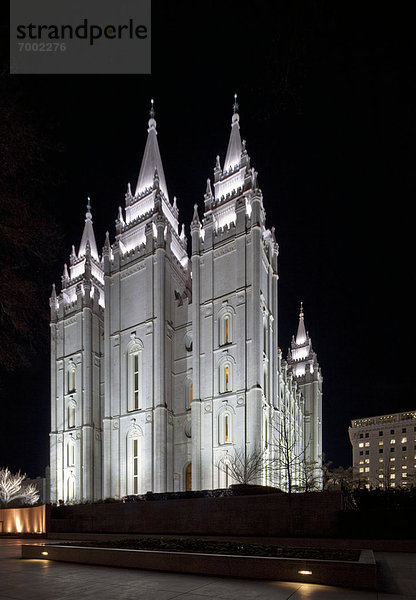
<point>71,415</point>
<point>133,462</point>
<point>265,382</point>
<point>189,393</point>
<point>70,489</point>
<point>265,340</point>
<point>225,380</point>
<point>70,454</point>
<point>71,378</point>
<point>134,379</point>
<point>225,428</point>
<point>227,329</point>
<point>188,478</point>
<point>135,465</point>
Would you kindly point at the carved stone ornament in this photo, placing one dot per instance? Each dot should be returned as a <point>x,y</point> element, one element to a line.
<point>188,429</point>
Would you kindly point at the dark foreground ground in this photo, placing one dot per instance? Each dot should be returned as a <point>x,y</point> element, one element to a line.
<point>38,580</point>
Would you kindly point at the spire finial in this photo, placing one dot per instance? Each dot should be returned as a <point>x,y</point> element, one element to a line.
<point>152,109</point>
<point>88,204</point>
<point>195,218</point>
<point>301,310</point>
<point>235,105</point>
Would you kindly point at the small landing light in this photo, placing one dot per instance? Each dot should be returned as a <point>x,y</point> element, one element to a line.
<point>305,572</point>
<point>45,553</point>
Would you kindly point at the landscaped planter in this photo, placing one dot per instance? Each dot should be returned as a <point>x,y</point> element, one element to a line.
<point>357,574</point>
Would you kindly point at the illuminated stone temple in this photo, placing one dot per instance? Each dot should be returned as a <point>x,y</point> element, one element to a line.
<point>163,365</point>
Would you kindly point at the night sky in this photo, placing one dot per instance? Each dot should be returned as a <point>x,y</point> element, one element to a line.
<point>326,97</point>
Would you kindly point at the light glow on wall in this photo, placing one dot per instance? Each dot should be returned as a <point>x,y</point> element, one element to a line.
<point>23,520</point>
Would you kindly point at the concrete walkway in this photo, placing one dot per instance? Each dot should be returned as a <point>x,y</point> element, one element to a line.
<point>47,580</point>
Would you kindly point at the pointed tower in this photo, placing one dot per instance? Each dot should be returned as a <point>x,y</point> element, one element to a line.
<point>234,285</point>
<point>303,364</point>
<point>151,196</point>
<point>146,271</point>
<point>77,316</point>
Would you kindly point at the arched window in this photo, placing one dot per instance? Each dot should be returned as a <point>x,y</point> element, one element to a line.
<point>71,414</point>
<point>70,453</point>
<point>70,488</point>
<point>71,377</point>
<point>226,377</point>
<point>225,427</point>
<point>134,375</point>
<point>133,460</point>
<point>226,328</point>
<point>188,477</point>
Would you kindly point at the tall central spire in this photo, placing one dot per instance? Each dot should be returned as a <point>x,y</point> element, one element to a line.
<point>151,160</point>
<point>234,145</point>
<point>301,334</point>
<point>88,235</point>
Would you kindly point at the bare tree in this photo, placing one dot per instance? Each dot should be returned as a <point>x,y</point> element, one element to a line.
<point>244,467</point>
<point>310,479</point>
<point>12,487</point>
<point>286,452</point>
<point>339,479</point>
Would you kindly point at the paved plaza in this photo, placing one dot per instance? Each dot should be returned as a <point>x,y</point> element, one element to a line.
<point>48,580</point>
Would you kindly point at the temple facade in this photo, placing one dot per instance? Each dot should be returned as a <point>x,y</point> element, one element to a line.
<point>166,368</point>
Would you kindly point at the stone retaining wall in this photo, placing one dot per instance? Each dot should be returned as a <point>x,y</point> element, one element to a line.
<point>358,574</point>
<point>312,514</point>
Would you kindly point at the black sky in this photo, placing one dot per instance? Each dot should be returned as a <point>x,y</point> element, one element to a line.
<point>326,95</point>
